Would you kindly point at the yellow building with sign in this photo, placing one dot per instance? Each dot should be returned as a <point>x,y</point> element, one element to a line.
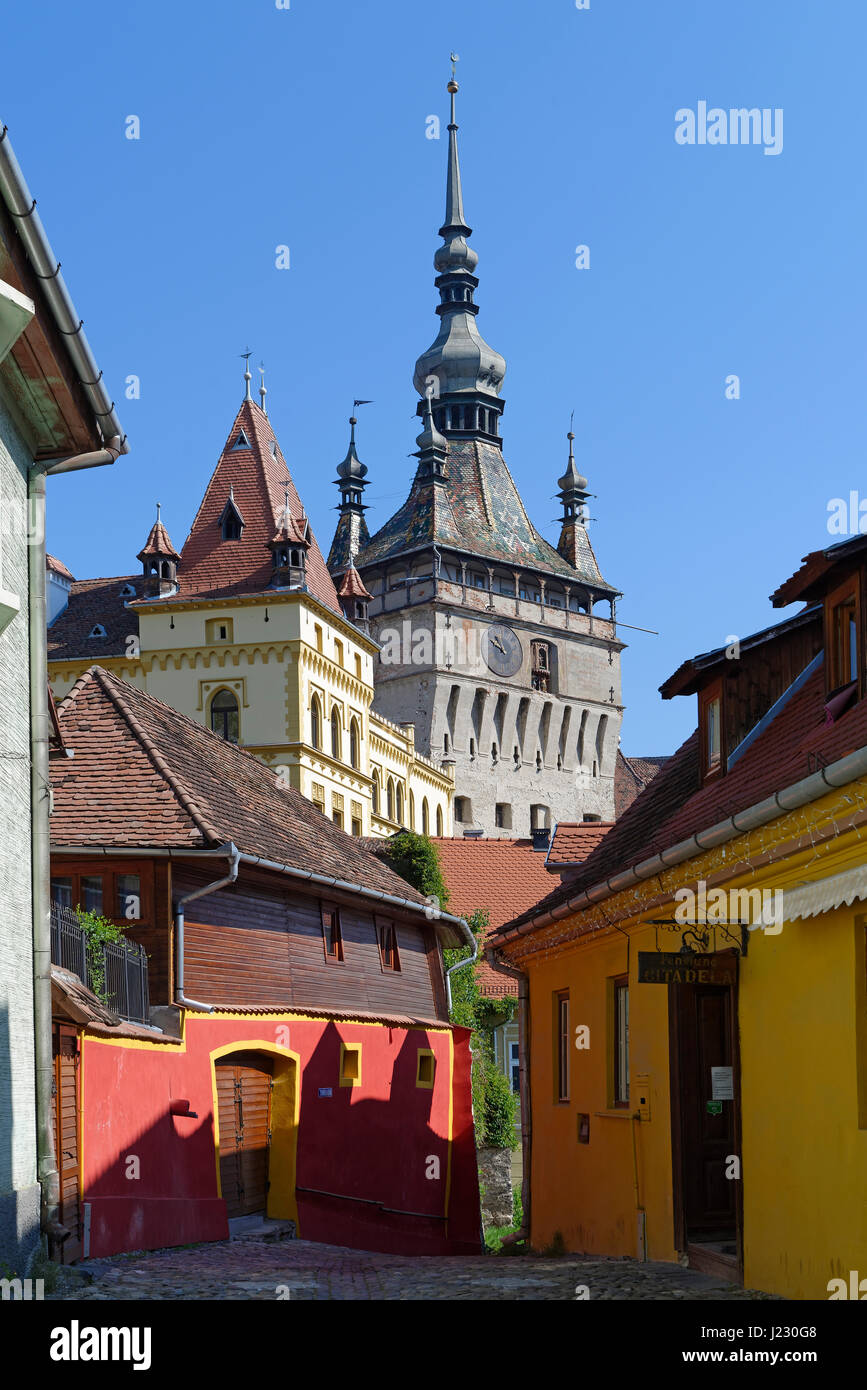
<point>245,631</point>
<point>697,993</point>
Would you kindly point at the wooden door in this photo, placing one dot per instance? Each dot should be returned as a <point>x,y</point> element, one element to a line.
<point>244,1081</point>
<point>705,1029</point>
<point>64,1113</point>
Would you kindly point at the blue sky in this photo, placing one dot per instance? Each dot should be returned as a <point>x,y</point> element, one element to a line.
<point>306,127</point>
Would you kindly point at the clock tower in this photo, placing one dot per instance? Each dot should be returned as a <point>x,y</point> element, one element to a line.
<point>500,650</point>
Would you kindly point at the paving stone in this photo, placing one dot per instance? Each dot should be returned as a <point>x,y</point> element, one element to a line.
<point>253,1269</point>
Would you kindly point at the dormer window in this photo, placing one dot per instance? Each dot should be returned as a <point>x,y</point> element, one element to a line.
<point>844,652</point>
<point>128,591</point>
<point>97,631</point>
<point>241,442</point>
<point>230,521</point>
<point>710,717</point>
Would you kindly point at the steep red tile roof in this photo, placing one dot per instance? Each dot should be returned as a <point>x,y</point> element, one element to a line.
<point>92,602</point>
<point>158,543</point>
<point>676,806</point>
<point>259,479</point>
<point>353,585</point>
<point>503,876</point>
<point>52,563</point>
<point>144,775</point>
<point>574,841</point>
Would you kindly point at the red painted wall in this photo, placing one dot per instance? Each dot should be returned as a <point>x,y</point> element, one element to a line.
<point>372,1141</point>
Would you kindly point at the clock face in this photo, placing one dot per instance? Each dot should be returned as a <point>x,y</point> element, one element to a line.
<point>502,649</point>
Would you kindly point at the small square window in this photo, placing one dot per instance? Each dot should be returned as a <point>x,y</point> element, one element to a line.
<point>426,1069</point>
<point>350,1064</point>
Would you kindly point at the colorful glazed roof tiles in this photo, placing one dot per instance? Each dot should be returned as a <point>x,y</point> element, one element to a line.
<point>478,510</point>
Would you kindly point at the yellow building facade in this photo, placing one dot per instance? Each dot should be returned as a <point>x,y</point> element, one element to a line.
<point>697,1018</point>
<point>265,653</point>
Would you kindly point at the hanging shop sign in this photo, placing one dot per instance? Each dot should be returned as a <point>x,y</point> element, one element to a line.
<point>686,968</point>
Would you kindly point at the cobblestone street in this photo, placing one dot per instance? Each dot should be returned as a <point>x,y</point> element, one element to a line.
<point>299,1269</point>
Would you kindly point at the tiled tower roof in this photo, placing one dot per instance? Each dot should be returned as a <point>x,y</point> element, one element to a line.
<point>477,509</point>
<point>158,543</point>
<point>252,469</point>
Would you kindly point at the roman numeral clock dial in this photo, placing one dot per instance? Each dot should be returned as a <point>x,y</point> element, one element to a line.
<point>502,649</point>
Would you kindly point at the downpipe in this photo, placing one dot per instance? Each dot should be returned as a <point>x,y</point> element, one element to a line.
<point>40,812</point>
<point>234,856</point>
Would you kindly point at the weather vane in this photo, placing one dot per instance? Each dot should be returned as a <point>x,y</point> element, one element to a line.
<point>455,58</point>
<point>247,373</point>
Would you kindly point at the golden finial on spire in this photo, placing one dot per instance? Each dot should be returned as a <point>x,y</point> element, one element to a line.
<point>453,86</point>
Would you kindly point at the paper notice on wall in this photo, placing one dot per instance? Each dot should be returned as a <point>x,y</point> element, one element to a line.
<point>722,1083</point>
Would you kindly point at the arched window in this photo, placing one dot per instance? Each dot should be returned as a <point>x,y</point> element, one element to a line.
<point>439,820</point>
<point>315,723</point>
<point>375,791</point>
<point>399,806</point>
<point>425,817</point>
<point>224,716</point>
<point>389,798</point>
<point>412,811</point>
<point>335,733</point>
<point>353,743</point>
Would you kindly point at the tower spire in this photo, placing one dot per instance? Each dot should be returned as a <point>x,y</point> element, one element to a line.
<point>573,495</point>
<point>462,369</point>
<point>455,220</point>
<point>352,534</point>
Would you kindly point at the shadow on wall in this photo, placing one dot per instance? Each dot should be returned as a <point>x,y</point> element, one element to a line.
<point>19,1201</point>
<point>374,1173</point>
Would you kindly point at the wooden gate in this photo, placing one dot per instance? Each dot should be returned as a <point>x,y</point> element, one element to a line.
<point>244,1082</point>
<point>64,1113</point>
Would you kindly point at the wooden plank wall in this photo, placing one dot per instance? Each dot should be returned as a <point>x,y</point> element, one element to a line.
<point>254,945</point>
<point>754,683</point>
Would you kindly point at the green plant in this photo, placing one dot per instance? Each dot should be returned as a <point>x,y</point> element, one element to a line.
<point>415,858</point>
<point>498,1109</point>
<point>98,932</point>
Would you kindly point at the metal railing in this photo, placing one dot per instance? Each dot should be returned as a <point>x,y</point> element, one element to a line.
<point>124,966</point>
